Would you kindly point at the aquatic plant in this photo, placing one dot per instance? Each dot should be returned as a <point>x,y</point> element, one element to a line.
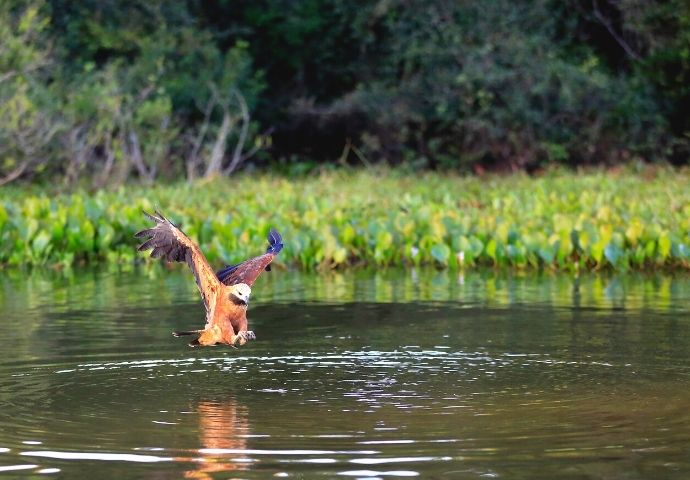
<point>559,221</point>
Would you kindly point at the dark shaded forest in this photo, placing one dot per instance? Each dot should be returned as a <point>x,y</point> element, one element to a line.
<point>102,91</point>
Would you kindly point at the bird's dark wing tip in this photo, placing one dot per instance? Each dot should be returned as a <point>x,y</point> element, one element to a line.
<point>161,217</point>
<point>226,271</point>
<point>274,236</point>
<point>150,243</point>
<point>143,233</point>
<point>275,242</point>
<point>157,216</point>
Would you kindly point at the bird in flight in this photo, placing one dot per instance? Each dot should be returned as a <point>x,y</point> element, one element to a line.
<point>225,294</point>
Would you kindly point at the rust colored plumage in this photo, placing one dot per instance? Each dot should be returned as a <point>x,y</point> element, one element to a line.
<point>226,297</point>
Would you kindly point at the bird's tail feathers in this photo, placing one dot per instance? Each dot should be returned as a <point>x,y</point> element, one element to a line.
<point>193,343</point>
<point>186,332</point>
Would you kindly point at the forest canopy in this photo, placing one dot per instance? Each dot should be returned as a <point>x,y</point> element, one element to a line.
<point>101,91</point>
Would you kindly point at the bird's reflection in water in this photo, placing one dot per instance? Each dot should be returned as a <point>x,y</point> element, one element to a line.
<point>223,426</point>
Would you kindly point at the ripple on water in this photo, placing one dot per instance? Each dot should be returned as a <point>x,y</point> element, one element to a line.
<point>358,399</point>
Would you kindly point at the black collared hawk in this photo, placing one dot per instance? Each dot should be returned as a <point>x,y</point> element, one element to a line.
<point>225,294</point>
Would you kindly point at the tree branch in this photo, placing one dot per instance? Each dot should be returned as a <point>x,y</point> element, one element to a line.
<point>237,154</point>
<point>193,158</point>
<point>619,39</point>
<point>16,173</point>
<point>218,151</point>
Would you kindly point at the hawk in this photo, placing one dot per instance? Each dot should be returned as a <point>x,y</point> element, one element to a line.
<point>225,294</point>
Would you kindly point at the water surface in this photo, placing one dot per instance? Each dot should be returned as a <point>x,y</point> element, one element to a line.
<point>360,375</point>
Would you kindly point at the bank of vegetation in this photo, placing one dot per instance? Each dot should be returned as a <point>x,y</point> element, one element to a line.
<point>595,220</point>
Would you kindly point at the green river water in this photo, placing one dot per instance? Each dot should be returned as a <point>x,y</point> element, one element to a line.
<point>392,374</point>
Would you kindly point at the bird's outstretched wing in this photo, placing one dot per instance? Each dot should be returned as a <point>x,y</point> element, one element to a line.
<point>169,242</point>
<point>248,271</point>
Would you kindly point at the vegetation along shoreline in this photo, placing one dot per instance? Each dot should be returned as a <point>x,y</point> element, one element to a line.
<point>596,220</point>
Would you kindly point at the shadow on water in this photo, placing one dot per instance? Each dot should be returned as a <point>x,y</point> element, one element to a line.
<point>358,375</point>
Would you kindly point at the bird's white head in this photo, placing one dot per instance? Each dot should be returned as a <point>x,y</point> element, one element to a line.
<point>241,293</point>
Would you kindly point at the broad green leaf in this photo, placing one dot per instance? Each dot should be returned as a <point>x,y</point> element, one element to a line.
<point>613,253</point>
<point>664,246</point>
<point>491,249</point>
<point>340,255</point>
<point>41,242</point>
<point>441,253</point>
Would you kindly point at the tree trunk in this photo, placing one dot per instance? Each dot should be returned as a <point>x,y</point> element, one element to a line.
<point>239,146</point>
<point>218,152</point>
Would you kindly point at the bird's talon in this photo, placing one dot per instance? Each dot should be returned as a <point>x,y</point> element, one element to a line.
<point>243,337</point>
<point>247,335</point>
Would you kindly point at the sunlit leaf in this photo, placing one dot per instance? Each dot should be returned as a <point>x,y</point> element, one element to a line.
<point>664,244</point>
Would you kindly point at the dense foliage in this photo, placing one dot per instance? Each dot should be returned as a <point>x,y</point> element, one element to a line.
<point>591,221</point>
<point>107,90</point>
